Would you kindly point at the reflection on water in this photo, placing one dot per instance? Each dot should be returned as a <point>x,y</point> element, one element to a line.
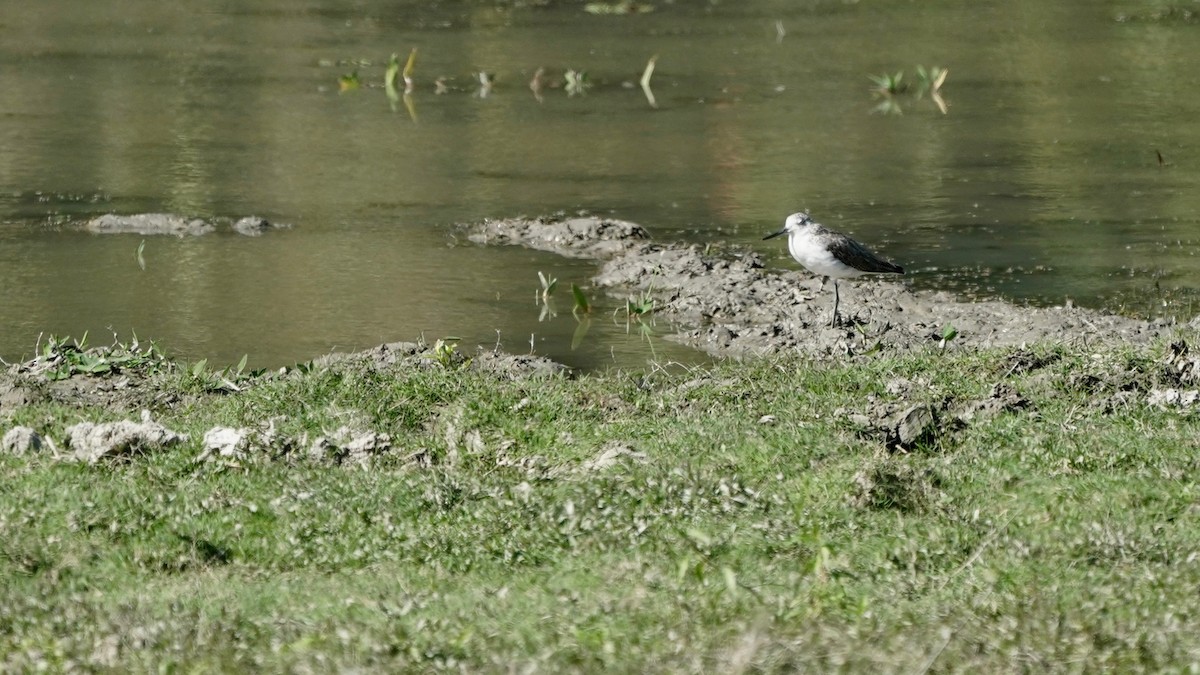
<point>1041,181</point>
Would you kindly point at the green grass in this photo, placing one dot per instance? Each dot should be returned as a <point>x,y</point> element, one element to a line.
<point>1058,535</point>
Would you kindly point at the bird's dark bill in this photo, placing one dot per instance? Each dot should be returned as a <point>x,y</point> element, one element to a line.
<point>775,234</point>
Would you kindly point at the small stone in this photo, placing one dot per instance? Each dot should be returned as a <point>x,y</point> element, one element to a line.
<point>253,226</point>
<point>22,441</point>
<point>225,442</point>
<point>915,425</point>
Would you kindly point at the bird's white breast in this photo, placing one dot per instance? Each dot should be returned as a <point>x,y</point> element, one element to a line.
<point>811,252</point>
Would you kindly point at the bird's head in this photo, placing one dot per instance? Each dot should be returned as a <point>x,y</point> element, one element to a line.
<point>794,223</point>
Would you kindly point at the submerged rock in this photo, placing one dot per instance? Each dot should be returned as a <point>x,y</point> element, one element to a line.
<point>253,226</point>
<point>149,224</point>
<point>171,224</point>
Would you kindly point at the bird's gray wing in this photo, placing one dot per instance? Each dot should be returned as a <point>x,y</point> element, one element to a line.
<point>857,256</point>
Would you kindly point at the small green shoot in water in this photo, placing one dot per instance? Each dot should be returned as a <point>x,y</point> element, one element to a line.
<point>581,302</point>
<point>581,331</point>
<point>548,285</point>
<point>389,82</point>
<point>349,82</point>
<point>889,85</point>
<point>576,82</point>
<point>393,70</point>
<point>141,259</point>
<point>931,80</point>
<point>409,67</point>
<point>645,81</point>
<point>640,306</point>
<point>485,83</point>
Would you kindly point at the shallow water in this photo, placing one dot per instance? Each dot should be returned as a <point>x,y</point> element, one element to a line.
<point>1041,183</point>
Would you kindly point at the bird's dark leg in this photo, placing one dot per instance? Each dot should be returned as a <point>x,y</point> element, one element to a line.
<point>834,320</point>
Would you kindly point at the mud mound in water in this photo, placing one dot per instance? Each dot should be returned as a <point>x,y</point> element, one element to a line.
<point>726,302</point>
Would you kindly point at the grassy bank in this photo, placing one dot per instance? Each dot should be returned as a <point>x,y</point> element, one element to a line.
<point>1040,514</point>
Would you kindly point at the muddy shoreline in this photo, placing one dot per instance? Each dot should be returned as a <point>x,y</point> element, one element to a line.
<point>726,302</point>
<point>723,301</point>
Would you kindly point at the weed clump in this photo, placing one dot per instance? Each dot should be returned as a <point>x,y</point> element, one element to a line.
<point>894,484</point>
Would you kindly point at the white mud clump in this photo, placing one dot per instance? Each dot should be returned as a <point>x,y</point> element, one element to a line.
<point>93,443</point>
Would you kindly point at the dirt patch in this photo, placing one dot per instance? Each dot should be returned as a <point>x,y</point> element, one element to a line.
<point>908,424</point>
<point>124,379</point>
<point>417,355</point>
<point>727,303</point>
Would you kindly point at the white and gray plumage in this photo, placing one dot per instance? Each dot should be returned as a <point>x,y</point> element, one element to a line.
<point>830,254</point>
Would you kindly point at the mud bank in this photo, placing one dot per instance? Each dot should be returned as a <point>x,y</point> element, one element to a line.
<point>726,302</point>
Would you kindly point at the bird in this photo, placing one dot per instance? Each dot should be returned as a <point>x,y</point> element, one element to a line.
<point>830,254</point>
